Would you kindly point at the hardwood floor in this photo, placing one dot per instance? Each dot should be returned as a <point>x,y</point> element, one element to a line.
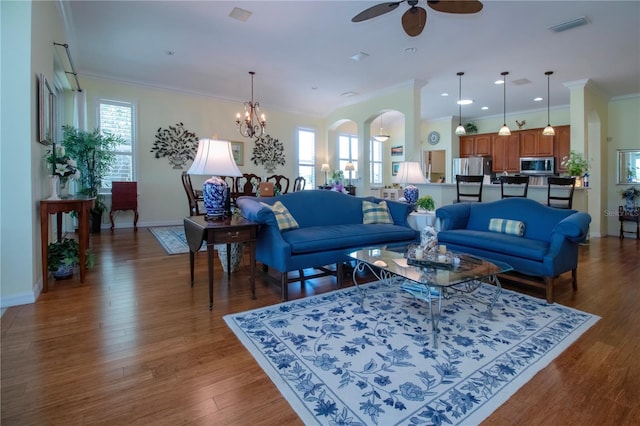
<point>136,344</point>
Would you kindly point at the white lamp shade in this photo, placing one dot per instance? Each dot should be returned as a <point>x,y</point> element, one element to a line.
<point>325,167</point>
<point>410,172</point>
<point>214,157</point>
<point>349,167</point>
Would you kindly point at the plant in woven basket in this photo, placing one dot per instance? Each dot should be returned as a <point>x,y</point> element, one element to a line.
<point>268,152</point>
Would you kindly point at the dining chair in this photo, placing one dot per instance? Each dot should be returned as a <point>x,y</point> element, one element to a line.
<point>247,184</point>
<point>194,198</point>
<point>299,183</point>
<point>280,182</point>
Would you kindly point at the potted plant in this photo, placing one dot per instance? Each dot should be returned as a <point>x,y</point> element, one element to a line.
<point>470,128</point>
<point>630,195</point>
<point>64,255</point>
<point>425,203</point>
<point>94,155</point>
<point>575,164</point>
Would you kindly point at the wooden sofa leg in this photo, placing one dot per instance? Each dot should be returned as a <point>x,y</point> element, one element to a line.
<point>339,273</point>
<point>574,279</point>
<point>301,273</point>
<point>284,283</point>
<point>549,286</point>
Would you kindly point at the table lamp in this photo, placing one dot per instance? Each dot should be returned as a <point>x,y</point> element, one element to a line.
<point>215,157</point>
<point>349,168</point>
<point>410,173</point>
<point>325,169</point>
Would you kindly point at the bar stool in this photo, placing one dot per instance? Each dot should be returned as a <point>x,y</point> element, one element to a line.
<point>515,182</point>
<point>560,192</point>
<point>471,188</point>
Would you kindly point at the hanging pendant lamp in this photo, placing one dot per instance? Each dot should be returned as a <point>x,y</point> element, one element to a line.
<point>460,131</point>
<point>548,131</point>
<point>504,130</point>
<point>381,137</point>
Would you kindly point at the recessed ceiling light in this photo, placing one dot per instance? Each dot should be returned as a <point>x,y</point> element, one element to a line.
<point>410,50</point>
<point>444,94</point>
<point>314,87</point>
<point>240,14</point>
<point>538,99</point>
<point>498,82</point>
<point>465,101</point>
<point>485,107</point>
<point>169,52</point>
<point>349,94</point>
<point>360,56</point>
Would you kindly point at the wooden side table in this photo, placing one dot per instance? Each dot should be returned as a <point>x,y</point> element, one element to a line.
<point>224,231</point>
<point>629,216</point>
<point>80,205</point>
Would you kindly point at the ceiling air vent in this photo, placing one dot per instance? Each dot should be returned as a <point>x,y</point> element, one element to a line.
<point>578,22</point>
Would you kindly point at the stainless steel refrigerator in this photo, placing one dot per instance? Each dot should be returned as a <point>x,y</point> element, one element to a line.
<point>472,166</point>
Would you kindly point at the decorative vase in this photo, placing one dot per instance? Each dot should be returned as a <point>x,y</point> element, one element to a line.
<point>54,182</point>
<point>214,193</point>
<point>63,272</point>
<point>235,252</point>
<point>630,203</point>
<point>411,194</point>
<point>64,188</point>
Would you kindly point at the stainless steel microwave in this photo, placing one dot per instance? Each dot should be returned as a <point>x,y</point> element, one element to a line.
<point>537,165</point>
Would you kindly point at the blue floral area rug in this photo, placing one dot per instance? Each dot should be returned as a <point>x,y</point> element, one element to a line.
<point>338,362</point>
<point>172,239</point>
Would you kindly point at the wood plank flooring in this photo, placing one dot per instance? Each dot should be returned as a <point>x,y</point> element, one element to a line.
<point>136,345</point>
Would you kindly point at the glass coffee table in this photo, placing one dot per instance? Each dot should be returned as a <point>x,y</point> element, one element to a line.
<point>430,283</point>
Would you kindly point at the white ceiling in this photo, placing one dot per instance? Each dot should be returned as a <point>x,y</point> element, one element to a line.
<point>301,51</point>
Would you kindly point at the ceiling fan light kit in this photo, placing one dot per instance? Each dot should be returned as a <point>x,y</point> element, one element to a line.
<point>504,130</point>
<point>415,18</point>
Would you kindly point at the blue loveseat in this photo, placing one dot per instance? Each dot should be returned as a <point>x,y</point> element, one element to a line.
<point>330,225</point>
<point>548,247</point>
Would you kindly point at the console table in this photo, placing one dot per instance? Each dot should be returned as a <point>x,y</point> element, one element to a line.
<point>223,231</point>
<point>82,206</point>
<point>629,216</point>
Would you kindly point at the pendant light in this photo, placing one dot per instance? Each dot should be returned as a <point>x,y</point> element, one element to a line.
<point>460,131</point>
<point>504,130</point>
<point>548,131</point>
<point>381,137</point>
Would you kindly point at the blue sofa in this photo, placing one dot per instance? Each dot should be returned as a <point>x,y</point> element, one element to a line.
<point>330,226</point>
<point>548,248</point>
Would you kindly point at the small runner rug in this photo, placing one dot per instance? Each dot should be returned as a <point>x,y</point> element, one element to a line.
<point>172,239</point>
<point>339,362</point>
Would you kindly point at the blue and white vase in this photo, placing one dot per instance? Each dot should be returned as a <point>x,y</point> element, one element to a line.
<point>214,193</point>
<point>630,203</point>
<point>411,194</point>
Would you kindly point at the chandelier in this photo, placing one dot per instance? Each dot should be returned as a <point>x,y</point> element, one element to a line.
<point>254,123</point>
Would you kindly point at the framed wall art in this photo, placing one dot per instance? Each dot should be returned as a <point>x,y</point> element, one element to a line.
<point>397,150</point>
<point>238,152</point>
<point>46,100</point>
<point>395,166</point>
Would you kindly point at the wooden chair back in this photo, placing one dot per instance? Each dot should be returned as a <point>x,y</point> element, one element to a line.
<point>469,188</point>
<point>192,198</point>
<point>281,182</point>
<point>299,183</point>
<point>560,192</point>
<point>514,183</point>
<point>247,184</point>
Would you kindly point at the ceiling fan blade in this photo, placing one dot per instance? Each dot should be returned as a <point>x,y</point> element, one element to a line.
<point>377,10</point>
<point>455,6</point>
<point>414,20</point>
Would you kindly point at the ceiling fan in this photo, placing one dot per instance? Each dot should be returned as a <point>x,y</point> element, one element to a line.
<point>414,19</point>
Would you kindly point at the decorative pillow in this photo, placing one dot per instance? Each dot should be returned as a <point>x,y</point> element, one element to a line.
<point>506,226</point>
<point>285,220</point>
<point>375,213</point>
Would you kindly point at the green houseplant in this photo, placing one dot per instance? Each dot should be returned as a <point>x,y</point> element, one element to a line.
<point>426,203</point>
<point>64,255</point>
<point>575,164</point>
<point>94,155</point>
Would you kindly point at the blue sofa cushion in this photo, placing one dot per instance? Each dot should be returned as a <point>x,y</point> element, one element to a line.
<point>498,243</point>
<point>327,238</point>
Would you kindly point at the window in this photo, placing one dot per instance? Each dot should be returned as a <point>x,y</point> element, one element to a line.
<point>375,162</point>
<point>348,153</point>
<point>307,157</point>
<point>117,118</point>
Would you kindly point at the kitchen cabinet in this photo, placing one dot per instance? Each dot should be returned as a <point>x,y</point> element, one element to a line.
<point>505,151</point>
<point>475,145</point>
<point>562,146</point>
<point>534,144</point>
